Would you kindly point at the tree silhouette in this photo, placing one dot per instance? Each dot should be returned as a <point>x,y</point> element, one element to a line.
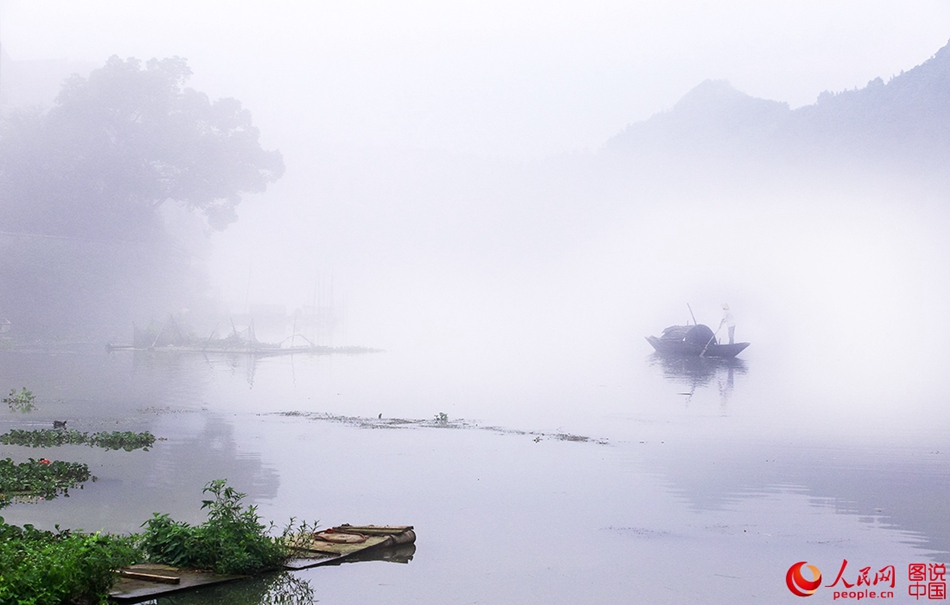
<point>124,141</point>
<point>84,244</point>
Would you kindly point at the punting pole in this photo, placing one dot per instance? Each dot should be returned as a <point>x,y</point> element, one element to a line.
<point>703,354</point>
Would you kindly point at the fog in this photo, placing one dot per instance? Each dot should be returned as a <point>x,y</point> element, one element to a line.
<point>500,201</point>
<point>508,79</point>
<point>447,189</point>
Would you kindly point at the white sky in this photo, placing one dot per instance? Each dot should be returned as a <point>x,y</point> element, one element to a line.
<point>517,79</point>
<point>430,250</point>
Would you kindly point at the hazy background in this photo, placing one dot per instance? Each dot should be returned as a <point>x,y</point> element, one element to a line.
<point>510,79</point>
<point>448,190</point>
<point>507,197</point>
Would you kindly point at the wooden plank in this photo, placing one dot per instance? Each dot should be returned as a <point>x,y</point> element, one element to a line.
<point>149,577</point>
<point>374,529</point>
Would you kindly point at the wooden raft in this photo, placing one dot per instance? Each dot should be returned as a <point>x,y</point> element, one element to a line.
<point>150,580</point>
<point>344,541</point>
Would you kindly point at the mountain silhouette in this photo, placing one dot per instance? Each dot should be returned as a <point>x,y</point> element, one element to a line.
<point>902,125</point>
<point>711,117</point>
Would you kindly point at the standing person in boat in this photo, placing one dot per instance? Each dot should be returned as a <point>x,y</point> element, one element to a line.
<point>729,321</point>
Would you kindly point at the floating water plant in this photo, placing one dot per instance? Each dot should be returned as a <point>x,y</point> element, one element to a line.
<point>39,479</point>
<point>24,401</point>
<point>110,440</point>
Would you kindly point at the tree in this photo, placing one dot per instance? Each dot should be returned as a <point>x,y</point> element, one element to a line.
<point>124,141</point>
<point>84,244</point>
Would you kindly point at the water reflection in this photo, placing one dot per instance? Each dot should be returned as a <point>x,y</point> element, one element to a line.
<point>192,459</point>
<point>748,491</point>
<point>284,588</point>
<point>401,553</point>
<point>168,361</point>
<point>700,372</point>
<point>167,395</point>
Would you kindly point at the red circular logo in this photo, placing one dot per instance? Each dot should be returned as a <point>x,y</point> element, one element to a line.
<point>797,582</point>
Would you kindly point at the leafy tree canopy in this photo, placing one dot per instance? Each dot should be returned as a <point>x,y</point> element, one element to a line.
<point>123,141</point>
<point>84,247</point>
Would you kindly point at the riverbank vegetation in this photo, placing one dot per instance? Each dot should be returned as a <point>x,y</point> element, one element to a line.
<point>232,541</point>
<point>53,567</point>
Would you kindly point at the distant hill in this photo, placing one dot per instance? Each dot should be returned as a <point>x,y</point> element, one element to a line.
<point>902,124</point>
<point>711,117</point>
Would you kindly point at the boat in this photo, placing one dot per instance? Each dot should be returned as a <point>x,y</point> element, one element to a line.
<point>695,340</point>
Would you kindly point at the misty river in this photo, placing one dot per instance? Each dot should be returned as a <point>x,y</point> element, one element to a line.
<point>610,478</point>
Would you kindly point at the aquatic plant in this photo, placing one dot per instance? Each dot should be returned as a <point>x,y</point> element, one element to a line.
<point>440,420</point>
<point>24,401</point>
<point>114,440</point>
<point>232,541</point>
<point>43,478</point>
<point>122,440</point>
<point>50,568</point>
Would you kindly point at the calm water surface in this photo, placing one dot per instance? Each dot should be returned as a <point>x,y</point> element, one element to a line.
<point>700,482</point>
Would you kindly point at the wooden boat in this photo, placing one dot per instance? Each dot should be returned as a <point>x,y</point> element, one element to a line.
<point>693,341</point>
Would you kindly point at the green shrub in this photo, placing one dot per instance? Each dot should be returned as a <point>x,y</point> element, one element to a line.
<point>231,541</point>
<point>50,568</point>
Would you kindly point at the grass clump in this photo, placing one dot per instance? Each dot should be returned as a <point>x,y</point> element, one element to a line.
<point>232,541</point>
<point>49,568</point>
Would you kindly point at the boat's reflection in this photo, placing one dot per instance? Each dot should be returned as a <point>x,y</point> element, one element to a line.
<point>401,553</point>
<point>696,373</point>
